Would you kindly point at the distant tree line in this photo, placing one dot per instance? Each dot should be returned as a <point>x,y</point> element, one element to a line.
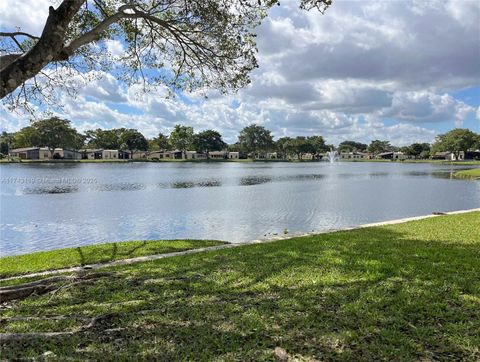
<point>254,139</point>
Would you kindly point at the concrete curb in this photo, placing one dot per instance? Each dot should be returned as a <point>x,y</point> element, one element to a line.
<point>146,258</point>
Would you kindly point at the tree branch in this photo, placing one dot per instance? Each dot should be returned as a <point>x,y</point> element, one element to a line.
<point>8,58</point>
<point>95,33</point>
<point>43,52</point>
<point>18,33</point>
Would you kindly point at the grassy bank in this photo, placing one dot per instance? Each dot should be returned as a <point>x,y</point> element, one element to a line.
<point>91,254</point>
<point>399,292</point>
<point>473,173</point>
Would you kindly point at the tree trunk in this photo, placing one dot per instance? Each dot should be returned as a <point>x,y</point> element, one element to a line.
<point>47,49</point>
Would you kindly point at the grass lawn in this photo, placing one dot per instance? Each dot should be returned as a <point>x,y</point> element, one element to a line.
<point>101,253</point>
<point>399,292</point>
<point>473,173</point>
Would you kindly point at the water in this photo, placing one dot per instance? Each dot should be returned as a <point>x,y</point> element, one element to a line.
<point>48,206</point>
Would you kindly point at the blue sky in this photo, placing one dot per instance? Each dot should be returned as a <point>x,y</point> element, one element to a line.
<point>404,71</point>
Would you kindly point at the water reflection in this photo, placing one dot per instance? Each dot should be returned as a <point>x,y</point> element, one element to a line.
<point>49,190</point>
<point>254,180</point>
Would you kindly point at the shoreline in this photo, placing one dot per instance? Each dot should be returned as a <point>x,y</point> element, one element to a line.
<point>226,245</point>
<point>439,162</point>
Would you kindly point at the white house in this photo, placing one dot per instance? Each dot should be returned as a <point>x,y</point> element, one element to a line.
<point>217,155</point>
<point>43,153</point>
<point>110,154</point>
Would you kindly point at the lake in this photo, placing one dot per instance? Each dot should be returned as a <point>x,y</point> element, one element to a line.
<point>48,206</point>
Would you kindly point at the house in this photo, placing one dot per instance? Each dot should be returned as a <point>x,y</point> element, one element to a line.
<point>400,156</point>
<point>138,155</point>
<point>190,155</point>
<point>386,155</point>
<point>351,155</point>
<point>448,156</point>
<point>30,153</point>
<point>271,156</point>
<point>233,155</point>
<point>160,155</point>
<point>91,154</point>
<point>177,154</point>
<point>366,155</point>
<point>110,154</point>
<point>43,153</point>
<point>472,155</point>
<point>308,156</point>
<point>217,155</point>
<point>66,154</point>
<point>201,156</point>
<point>194,155</point>
<point>115,155</point>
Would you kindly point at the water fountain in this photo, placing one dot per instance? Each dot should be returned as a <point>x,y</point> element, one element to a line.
<point>332,156</point>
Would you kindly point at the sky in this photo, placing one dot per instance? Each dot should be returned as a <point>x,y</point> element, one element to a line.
<point>399,70</point>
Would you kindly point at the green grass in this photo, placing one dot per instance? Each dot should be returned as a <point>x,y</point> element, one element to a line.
<point>91,254</point>
<point>401,292</point>
<point>472,173</point>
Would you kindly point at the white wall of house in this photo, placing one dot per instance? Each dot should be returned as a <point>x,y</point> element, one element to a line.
<point>110,154</point>
<point>217,154</point>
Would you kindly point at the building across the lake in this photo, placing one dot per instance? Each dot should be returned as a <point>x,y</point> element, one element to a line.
<point>44,153</point>
<point>354,155</point>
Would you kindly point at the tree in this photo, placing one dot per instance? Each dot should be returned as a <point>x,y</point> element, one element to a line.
<point>285,146</point>
<point>185,44</point>
<point>302,145</point>
<point>26,137</point>
<point>352,146</point>
<point>378,146</point>
<point>161,142</point>
<point>477,143</point>
<point>109,139</point>
<point>133,140</point>
<point>181,137</point>
<point>235,147</point>
<point>6,142</point>
<point>52,133</point>
<point>255,139</point>
<point>208,140</point>
<point>416,149</point>
<point>456,141</point>
<point>318,144</point>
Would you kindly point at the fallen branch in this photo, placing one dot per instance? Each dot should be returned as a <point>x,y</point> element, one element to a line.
<point>39,287</point>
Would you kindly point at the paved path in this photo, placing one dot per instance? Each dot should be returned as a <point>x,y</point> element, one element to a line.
<point>141,259</point>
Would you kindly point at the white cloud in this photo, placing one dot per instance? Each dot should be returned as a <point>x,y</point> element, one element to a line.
<point>364,70</point>
<point>115,48</point>
<point>425,107</point>
<point>29,15</point>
